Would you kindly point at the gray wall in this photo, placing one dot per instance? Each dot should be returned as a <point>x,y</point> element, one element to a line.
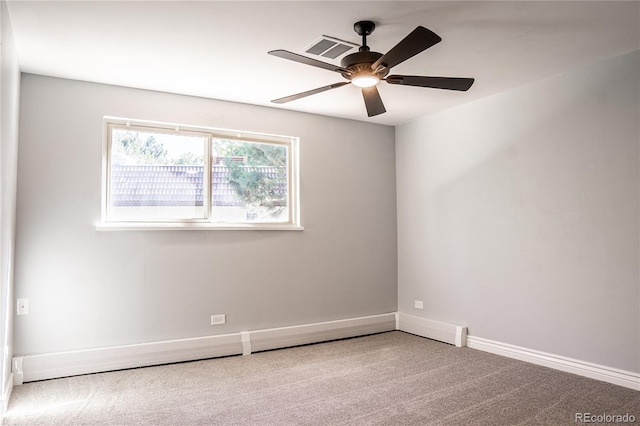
<point>95,289</point>
<point>518,215</point>
<point>9,98</point>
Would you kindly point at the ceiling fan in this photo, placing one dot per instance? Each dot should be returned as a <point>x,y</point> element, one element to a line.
<point>366,69</point>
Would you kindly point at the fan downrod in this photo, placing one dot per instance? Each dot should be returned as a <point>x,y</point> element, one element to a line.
<point>364,28</point>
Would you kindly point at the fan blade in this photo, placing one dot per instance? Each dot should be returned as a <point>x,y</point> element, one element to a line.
<point>418,40</point>
<point>449,83</point>
<point>307,61</point>
<point>309,93</point>
<point>373,101</point>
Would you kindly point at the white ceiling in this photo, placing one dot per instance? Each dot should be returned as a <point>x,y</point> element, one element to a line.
<point>217,49</point>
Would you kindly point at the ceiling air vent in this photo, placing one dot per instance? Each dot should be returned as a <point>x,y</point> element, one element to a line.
<point>330,47</point>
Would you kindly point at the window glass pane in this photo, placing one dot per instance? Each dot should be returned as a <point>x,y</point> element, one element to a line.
<point>249,181</point>
<point>156,176</point>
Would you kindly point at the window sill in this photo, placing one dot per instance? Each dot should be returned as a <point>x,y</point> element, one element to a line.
<point>196,226</point>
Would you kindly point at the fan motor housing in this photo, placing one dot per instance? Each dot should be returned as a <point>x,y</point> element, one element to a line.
<point>360,58</point>
<point>360,63</point>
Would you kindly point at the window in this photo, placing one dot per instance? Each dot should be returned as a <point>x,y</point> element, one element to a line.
<point>167,176</point>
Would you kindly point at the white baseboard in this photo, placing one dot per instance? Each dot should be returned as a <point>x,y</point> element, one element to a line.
<point>436,330</point>
<point>6,396</point>
<point>62,364</point>
<point>274,338</point>
<point>582,368</point>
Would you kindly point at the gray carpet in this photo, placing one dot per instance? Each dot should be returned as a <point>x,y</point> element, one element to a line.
<point>385,379</point>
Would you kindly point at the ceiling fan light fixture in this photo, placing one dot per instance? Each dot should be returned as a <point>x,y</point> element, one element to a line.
<point>365,80</point>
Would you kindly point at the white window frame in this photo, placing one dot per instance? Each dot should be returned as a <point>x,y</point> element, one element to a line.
<point>293,178</point>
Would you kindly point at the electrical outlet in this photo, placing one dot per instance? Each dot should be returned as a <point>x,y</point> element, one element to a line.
<point>218,319</point>
<point>23,307</point>
<point>418,304</point>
